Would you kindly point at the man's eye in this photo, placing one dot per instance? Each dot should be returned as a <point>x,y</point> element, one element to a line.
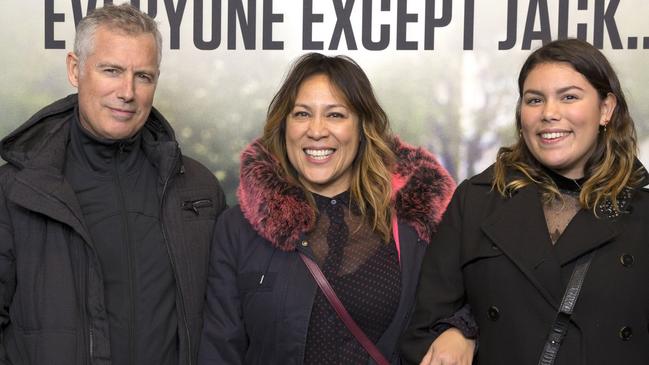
<point>145,77</point>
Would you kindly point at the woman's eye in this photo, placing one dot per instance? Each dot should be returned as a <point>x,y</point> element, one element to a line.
<point>336,115</point>
<point>532,101</point>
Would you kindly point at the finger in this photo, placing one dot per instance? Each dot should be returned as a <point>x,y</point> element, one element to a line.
<point>438,360</point>
<point>427,358</point>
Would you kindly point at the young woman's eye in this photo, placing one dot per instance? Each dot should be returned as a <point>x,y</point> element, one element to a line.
<point>532,101</point>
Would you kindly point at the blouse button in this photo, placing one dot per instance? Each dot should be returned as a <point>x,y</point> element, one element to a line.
<point>333,202</point>
<point>625,333</point>
<point>627,260</point>
<point>493,313</point>
<point>305,243</point>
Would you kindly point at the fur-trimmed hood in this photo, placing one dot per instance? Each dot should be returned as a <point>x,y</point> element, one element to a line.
<point>280,213</point>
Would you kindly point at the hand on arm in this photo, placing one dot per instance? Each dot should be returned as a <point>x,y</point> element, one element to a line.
<point>450,348</point>
<point>441,313</point>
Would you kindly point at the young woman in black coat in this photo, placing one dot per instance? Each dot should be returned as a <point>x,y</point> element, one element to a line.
<point>567,194</point>
<point>327,180</point>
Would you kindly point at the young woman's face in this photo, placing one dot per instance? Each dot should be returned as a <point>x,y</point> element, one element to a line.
<point>322,137</point>
<point>561,113</point>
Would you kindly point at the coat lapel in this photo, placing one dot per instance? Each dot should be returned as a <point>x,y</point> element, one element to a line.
<point>518,229</point>
<point>584,233</point>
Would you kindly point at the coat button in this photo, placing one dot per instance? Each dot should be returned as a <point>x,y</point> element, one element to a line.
<point>627,260</point>
<point>493,313</point>
<point>625,333</point>
<point>305,243</point>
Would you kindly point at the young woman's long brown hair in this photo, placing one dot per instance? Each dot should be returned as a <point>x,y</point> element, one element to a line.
<point>611,168</point>
<point>371,179</point>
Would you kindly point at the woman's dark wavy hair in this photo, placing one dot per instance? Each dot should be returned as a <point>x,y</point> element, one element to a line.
<point>371,187</point>
<point>611,168</point>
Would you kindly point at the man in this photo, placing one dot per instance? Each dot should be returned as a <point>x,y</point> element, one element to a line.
<point>104,225</point>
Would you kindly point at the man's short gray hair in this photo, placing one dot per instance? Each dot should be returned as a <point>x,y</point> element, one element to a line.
<point>123,18</point>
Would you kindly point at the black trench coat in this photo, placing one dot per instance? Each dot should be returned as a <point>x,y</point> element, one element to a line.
<point>496,254</point>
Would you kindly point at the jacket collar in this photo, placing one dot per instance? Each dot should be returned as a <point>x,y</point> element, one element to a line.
<point>279,211</point>
<point>38,150</point>
<point>517,227</point>
<point>41,142</point>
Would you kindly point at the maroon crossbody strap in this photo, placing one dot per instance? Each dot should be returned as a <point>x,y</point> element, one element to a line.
<point>338,306</point>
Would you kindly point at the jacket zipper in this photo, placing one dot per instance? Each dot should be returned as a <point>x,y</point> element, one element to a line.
<point>84,311</point>
<point>90,336</point>
<point>172,260</point>
<point>129,259</point>
<point>194,205</point>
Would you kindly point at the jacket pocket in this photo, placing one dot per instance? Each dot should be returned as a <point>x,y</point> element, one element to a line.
<point>197,205</point>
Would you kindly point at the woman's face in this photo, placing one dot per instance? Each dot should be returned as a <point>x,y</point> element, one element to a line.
<point>560,117</point>
<point>322,137</point>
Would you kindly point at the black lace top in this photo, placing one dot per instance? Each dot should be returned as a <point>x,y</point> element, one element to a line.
<point>559,212</point>
<point>364,272</point>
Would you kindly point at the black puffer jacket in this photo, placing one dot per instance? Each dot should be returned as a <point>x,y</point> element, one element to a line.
<point>52,307</point>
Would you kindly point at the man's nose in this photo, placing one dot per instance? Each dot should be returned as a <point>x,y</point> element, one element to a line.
<point>126,90</point>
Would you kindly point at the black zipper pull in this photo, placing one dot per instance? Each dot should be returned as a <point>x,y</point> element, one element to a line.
<point>193,205</point>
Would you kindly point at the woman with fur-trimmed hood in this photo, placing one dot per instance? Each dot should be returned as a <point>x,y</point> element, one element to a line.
<point>327,183</point>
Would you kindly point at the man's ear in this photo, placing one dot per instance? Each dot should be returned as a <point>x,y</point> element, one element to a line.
<point>72,63</point>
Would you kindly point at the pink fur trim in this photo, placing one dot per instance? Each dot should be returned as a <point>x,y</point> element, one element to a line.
<point>421,202</point>
<point>280,213</point>
<point>277,211</point>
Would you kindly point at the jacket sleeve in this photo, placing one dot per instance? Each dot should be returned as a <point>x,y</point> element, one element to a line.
<point>462,319</point>
<point>440,294</point>
<point>7,273</point>
<point>224,340</point>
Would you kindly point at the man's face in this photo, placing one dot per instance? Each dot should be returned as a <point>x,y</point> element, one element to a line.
<point>116,83</point>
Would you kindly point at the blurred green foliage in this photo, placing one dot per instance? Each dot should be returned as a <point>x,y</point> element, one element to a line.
<point>459,106</point>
